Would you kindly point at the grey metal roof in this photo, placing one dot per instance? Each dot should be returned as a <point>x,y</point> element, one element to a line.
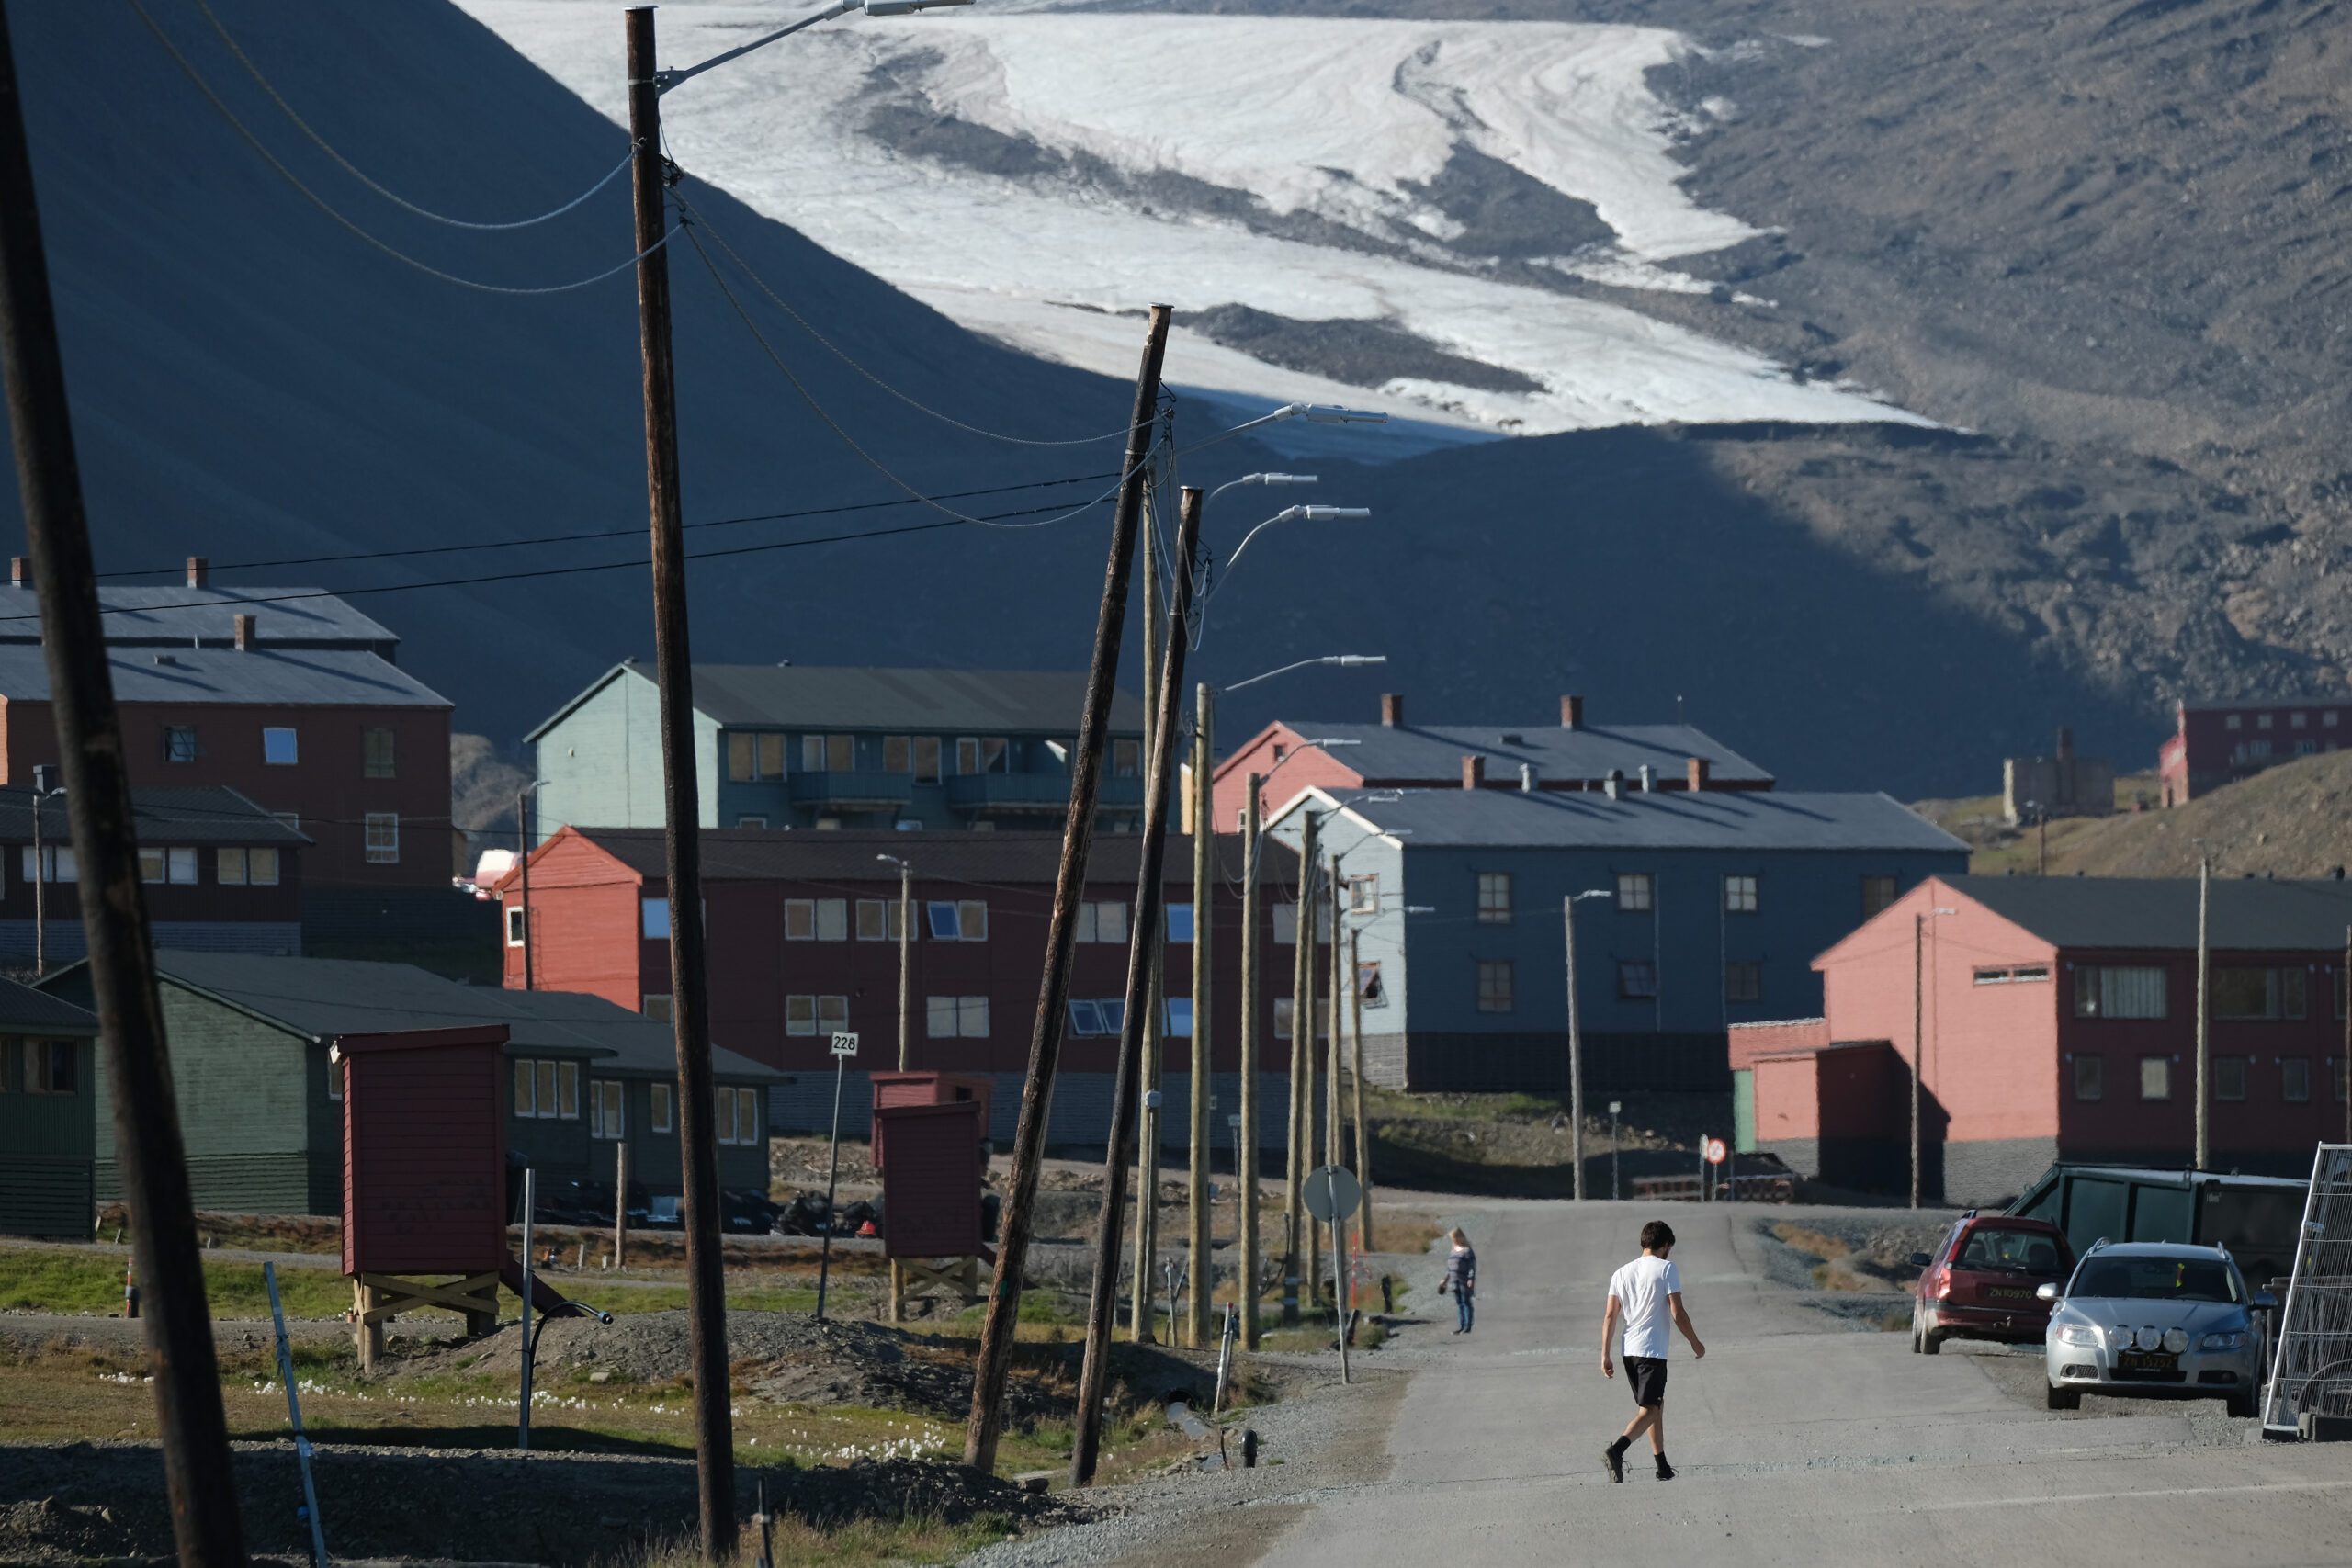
<point>1432,754</point>
<point>24,1011</point>
<point>755,854</point>
<point>166,814</point>
<point>938,702</point>
<point>325,677</point>
<point>321,998</point>
<point>179,615</point>
<point>2269,704</point>
<point>2161,912</point>
<point>1740,819</point>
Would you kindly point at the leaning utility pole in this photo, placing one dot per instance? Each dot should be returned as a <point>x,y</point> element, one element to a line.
<point>997,1328</point>
<point>1363,1130</point>
<point>2204,1011</point>
<point>1147,1247</point>
<point>523,837</point>
<point>1143,939</point>
<point>1203,1266</point>
<point>1244,1148</point>
<point>1575,1049</point>
<point>1335,1130</point>
<point>154,1164</point>
<point>674,675</point>
<point>1301,1132</point>
<point>1919,1035</point>
<point>907,967</point>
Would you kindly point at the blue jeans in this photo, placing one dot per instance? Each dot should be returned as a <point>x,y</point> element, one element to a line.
<point>1463,1304</point>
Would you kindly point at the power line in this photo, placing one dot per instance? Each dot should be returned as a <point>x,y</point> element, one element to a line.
<point>353,170</point>
<point>605,533</point>
<point>778,302</point>
<point>321,203</point>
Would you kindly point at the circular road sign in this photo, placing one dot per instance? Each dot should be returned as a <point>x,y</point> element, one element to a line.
<point>1715,1151</point>
<point>1332,1190</point>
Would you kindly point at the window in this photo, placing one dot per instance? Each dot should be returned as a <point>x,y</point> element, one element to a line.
<point>1494,985</point>
<point>800,1015</point>
<point>841,753</point>
<point>2257,993</point>
<point>51,1066</point>
<point>729,1122</point>
<point>606,1117</point>
<point>376,754</point>
<point>1636,979</point>
<point>1180,922</point>
<point>261,867</point>
<point>812,754</point>
<point>950,1017</point>
<point>2262,721</point>
<point>1179,1022</point>
<point>2229,1078</point>
<point>833,919</point>
<point>1282,1018</point>
<point>2155,1077</point>
<point>2306,748</point>
<point>754,755</point>
<point>800,919</point>
<point>878,920</point>
<point>2232,722</point>
<point>898,754</point>
<point>657,1105</point>
<point>2327,719</point>
<point>383,837</point>
<point>182,865</point>
<point>655,1005</point>
<point>1285,917</point>
<point>1126,759</point>
<point>2106,991</point>
<point>1633,891</point>
<point>746,1118</point>
<point>57,863</point>
<point>1739,894</point>
<point>1086,1018</point>
<point>1102,922</point>
<point>751,821</point>
<point>2090,1077</point>
<point>967,920</point>
<point>1494,898</point>
<point>515,917</point>
<point>229,867</point>
<point>1878,892</point>
<point>547,1091</point>
<point>653,916</point>
<point>1368,987</point>
<point>2295,1080</point>
<point>926,758</point>
<point>1992,977</point>
<point>833,1015</point>
<point>2031,972</point>
<point>150,864</point>
<point>1743,981</point>
<point>334,1078</point>
<point>180,744</point>
<point>1363,894</point>
<point>278,748</point>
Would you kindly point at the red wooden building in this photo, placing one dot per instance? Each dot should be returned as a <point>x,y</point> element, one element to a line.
<point>803,941</point>
<point>2213,744</point>
<point>2058,1017</point>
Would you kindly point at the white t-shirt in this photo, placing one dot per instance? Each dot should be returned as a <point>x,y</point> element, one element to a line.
<point>1640,1288</point>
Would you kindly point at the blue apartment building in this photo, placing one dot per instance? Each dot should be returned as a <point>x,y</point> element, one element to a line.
<point>785,746</point>
<point>1708,910</point>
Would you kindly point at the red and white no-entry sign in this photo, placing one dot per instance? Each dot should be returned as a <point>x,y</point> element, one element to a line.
<point>1715,1151</point>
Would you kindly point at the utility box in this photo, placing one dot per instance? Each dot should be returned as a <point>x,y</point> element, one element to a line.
<point>424,1151</point>
<point>931,1189</point>
<point>893,1090</point>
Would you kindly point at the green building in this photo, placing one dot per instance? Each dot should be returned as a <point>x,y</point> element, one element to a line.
<point>261,1110</point>
<point>49,1114</point>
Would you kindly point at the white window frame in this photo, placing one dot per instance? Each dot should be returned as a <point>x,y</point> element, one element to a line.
<point>660,1116</point>
<point>939,1018</point>
<point>517,917</point>
<point>184,868</point>
<point>1495,892</point>
<point>607,1109</point>
<point>800,919</point>
<point>1637,892</point>
<point>800,1013</point>
<point>833,919</point>
<point>1743,894</point>
<point>383,837</point>
<point>972,1018</point>
<point>229,866</point>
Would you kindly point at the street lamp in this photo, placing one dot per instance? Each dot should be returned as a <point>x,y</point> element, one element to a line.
<point>1614,1107</point>
<point>1576,1042</point>
<point>1287,515</point>
<point>1263,480</point>
<point>1919,1013</point>
<point>1314,413</point>
<point>663,80</point>
<point>45,784</point>
<point>1344,660</point>
<point>906,956</point>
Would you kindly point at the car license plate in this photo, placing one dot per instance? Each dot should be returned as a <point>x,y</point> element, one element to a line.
<point>2147,1361</point>
<point>2009,1294</point>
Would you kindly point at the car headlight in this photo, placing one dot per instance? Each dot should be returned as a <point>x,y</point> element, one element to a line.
<point>2175,1341</point>
<point>2233,1339</point>
<point>2078,1334</point>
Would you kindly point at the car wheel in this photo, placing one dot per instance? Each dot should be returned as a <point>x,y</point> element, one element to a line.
<point>1916,1346</point>
<point>1931,1343</point>
<point>2241,1406</point>
<point>2065,1398</point>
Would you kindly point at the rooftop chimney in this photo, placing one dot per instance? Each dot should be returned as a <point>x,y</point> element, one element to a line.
<point>1698,766</point>
<point>244,624</point>
<point>20,570</point>
<point>1614,784</point>
<point>2066,744</point>
<point>1527,778</point>
<point>1392,709</point>
<point>1649,779</point>
<point>199,573</point>
<point>1473,772</point>
<point>1571,712</point>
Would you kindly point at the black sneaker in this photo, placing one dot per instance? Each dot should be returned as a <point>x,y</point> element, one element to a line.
<point>1665,1471</point>
<point>1614,1458</point>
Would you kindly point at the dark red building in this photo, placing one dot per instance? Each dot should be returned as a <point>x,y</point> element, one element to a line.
<point>2217,743</point>
<point>803,943</point>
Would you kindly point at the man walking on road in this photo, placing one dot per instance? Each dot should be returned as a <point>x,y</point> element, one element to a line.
<point>1647,1293</point>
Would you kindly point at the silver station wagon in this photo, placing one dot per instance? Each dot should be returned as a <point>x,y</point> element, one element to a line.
<point>2154,1320</point>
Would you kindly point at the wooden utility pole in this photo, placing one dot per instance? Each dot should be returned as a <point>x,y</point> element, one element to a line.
<point>1143,940</point>
<point>1245,1150</point>
<point>1202,1266</point>
<point>177,1321</point>
<point>1918,1029</point>
<point>1575,1049</point>
<point>1299,1140</point>
<point>997,1328</point>
<point>522,838</point>
<point>2344,1064</point>
<point>1146,1245</point>
<point>41,879</point>
<point>620,1199</point>
<point>1355,1071</point>
<point>906,966</point>
<point>1335,1126</point>
<point>2204,1010</point>
<point>674,675</point>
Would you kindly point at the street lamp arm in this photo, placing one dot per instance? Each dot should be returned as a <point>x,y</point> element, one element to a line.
<point>1290,515</point>
<point>1263,480</point>
<point>666,80</point>
<point>1314,413</point>
<point>1344,660</point>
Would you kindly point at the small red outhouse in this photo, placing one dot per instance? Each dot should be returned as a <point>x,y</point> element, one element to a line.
<point>931,1189</point>
<point>424,1151</point>
<point>894,1090</point>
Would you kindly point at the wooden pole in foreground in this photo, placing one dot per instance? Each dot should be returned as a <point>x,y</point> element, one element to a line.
<point>178,1320</point>
<point>1245,1152</point>
<point>1069,890</point>
<point>1300,1134</point>
<point>1202,1265</point>
<point>1143,939</point>
<point>1355,1073</point>
<point>674,675</point>
<point>1147,1247</point>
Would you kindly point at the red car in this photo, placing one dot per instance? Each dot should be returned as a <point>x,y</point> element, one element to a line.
<point>1981,1282</point>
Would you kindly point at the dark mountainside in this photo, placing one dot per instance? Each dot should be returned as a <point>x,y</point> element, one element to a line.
<point>1863,606</point>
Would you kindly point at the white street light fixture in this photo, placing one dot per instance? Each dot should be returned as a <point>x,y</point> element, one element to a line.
<point>665,80</point>
<point>1265,479</point>
<point>1291,514</point>
<point>1344,660</point>
<point>1314,413</point>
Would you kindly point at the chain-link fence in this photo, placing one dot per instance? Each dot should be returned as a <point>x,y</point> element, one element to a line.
<point>2312,1374</point>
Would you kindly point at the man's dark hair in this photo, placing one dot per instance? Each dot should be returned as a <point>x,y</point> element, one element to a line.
<point>1657,1234</point>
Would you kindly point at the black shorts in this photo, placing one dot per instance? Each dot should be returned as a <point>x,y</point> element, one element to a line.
<point>1646,1374</point>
